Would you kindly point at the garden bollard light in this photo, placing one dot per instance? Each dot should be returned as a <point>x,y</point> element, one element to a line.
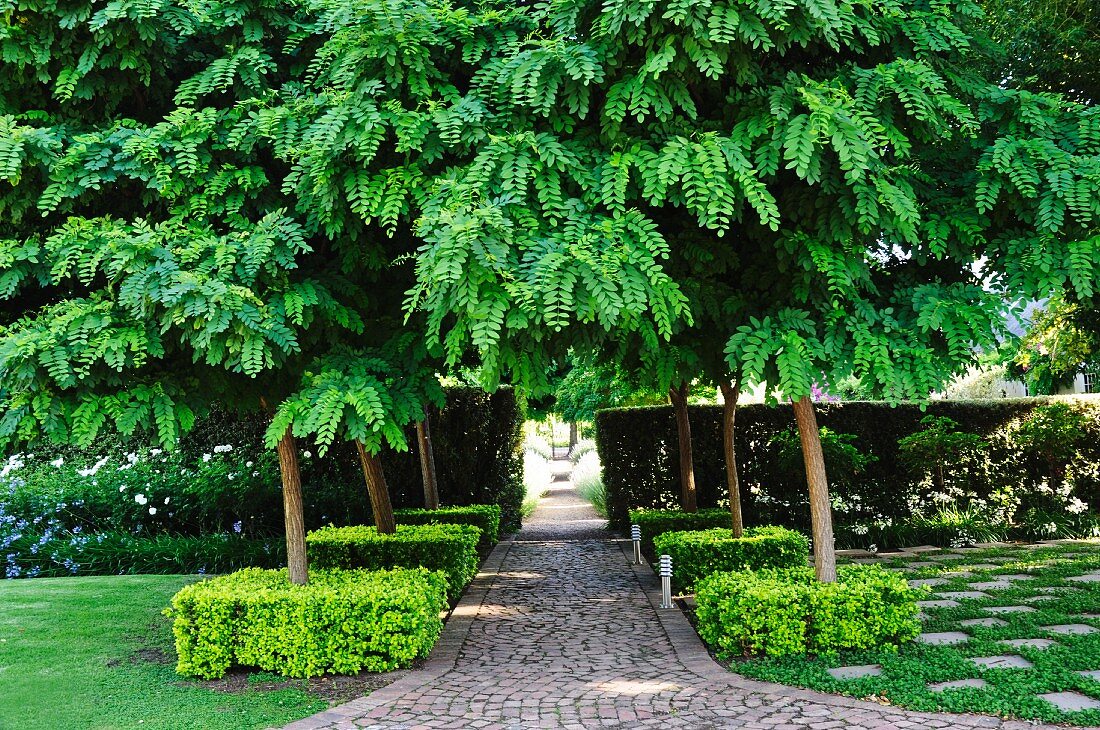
<point>666,581</point>
<point>636,536</point>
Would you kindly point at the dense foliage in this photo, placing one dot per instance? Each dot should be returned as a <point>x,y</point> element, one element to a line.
<point>699,553</point>
<point>485,517</point>
<point>778,613</point>
<point>448,548</point>
<point>1016,478</point>
<point>1062,340</point>
<point>654,522</point>
<point>343,622</point>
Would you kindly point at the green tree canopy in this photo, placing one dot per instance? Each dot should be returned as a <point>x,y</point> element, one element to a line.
<point>877,197</point>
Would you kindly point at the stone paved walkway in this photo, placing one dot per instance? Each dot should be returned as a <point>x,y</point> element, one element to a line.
<point>559,631</point>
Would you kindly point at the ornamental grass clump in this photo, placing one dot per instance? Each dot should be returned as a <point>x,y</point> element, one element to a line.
<point>341,622</point>
<point>781,613</point>
<point>448,548</point>
<point>698,553</point>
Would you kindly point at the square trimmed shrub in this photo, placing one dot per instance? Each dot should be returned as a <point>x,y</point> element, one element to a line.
<point>485,517</point>
<point>699,553</point>
<point>341,622</point>
<point>780,613</point>
<point>656,522</point>
<point>449,548</point>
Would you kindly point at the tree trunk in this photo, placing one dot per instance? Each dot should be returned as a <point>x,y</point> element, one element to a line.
<point>378,490</point>
<point>821,515</point>
<point>574,437</point>
<point>427,463</point>
<point>293,514</point>
<point>730,394</point>
<point>678,396</point>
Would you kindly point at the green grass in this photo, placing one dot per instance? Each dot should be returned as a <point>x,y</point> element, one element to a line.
<point>1009,692</point>
<point>95,653</point>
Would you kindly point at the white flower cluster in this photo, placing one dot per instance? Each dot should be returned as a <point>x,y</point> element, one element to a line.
<point>94,468</point>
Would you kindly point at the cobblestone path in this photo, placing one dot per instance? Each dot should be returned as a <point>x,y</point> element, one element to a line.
<point>559,631</point>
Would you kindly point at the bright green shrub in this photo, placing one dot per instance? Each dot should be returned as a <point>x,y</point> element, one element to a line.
<point>342,622</point>
<point>449,548</point>
<point>788,612</point>
<point>697,554</point>
<point>485,517</point>
<point>656,522</point>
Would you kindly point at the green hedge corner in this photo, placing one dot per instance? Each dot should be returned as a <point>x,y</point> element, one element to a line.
<point>485,517</point>
<point>654,522</point>
<point>782,613</point>
<point>449,548</point>
<point>699,553</point>
<point>341,622</point>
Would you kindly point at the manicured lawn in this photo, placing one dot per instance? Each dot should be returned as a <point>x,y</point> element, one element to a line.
<point>86,653</point>
<point>1038,579</point>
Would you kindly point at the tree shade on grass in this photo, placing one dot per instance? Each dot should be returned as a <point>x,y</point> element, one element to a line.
<point>96,653</point>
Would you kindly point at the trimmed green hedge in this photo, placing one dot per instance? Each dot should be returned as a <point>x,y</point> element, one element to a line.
<point>700,553</point>
<point>638,451</point>
<point>780,613</point>
<point>451,549</point>
<point>485,517</point>
<point>654,522</point>
<point>342,622</point>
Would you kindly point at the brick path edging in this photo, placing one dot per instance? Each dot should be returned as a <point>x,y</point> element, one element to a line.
<point>693,654</point>
<point>442,659</point>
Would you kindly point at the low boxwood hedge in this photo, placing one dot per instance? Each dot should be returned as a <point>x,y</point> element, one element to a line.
<point>699,553</point>
<point>654,522</point>
<point>340,622</point>
<point>788,612</point>
<point>485,517</point>
<point>449,548</point>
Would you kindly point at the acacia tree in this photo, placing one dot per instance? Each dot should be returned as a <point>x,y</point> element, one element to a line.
<point>883,198</point>
<point>196,199</point>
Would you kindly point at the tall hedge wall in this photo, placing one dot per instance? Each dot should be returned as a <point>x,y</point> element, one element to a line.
<point>476,438</point>
<point>638,450</point>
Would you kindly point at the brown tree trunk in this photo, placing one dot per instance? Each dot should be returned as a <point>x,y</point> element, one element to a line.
<point>821,515</point>
<point>730,394</point>
<point>378,490</point>
<point>293,514</point>
<point>678,395</point>
<point>427,463</point>
<point>574,436</point>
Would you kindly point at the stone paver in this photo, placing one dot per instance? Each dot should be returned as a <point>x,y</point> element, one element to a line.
<point>1008,609</point>
<point>945,603</point>
<point>988,622</point>
<point>991,585</point>
<point>1070,629</point>
<point>1091,674</point>
<point>1002,661</point>
<point>958,684</point>
<point>941,638</point>
<point>560,631</point>
<point>1030,643</point>
<point>1086,578</point>
<point>855,672</point>
<point>964,595</point>
<point>1071,701</point>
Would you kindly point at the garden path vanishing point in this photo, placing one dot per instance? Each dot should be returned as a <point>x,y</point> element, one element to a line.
<point>560,631</point>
